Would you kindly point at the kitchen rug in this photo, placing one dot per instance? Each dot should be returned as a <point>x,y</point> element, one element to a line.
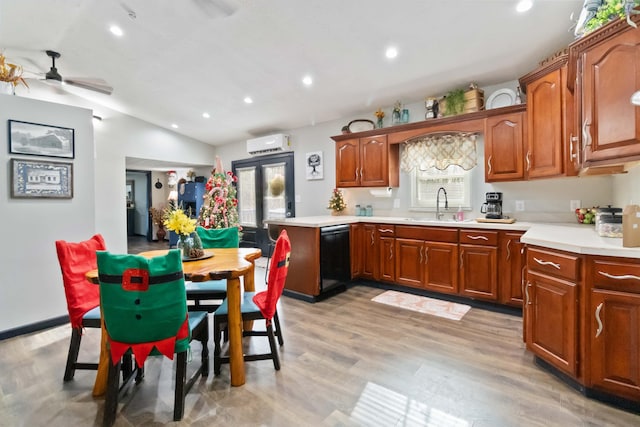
<point>435,307</point>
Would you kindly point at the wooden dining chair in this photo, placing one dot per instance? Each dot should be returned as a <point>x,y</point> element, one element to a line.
<point>202,293</point>
<point>256,306</point>
<point>145,313</point>
<point>83,297</point>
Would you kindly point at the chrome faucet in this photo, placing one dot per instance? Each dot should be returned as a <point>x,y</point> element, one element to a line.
<point>446,203</point>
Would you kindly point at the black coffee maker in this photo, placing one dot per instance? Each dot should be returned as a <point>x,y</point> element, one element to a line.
<point>492,208</point>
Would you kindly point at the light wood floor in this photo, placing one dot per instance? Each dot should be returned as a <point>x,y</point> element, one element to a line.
<point>346,361</point>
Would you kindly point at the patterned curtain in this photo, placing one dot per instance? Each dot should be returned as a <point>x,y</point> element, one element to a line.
<point>439,151</point>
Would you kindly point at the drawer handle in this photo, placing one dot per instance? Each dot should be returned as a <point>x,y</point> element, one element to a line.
<point>421,250</point>
<point>508,249</point>
<point>623,277</point>
<point>526,293</point>
<point>478,237</point>
<point>385,230</point>
<point>489,164</point>
<point>553,264</point>
<point>600,326</point>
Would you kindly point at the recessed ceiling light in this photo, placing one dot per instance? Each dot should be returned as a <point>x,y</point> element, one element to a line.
<point>205,115</point>
<point>391,52</point>
<point>524,5</point>
<point>116,31</point>
<point>248,100</point>
<point>307,80</point>
<point>175,126</point>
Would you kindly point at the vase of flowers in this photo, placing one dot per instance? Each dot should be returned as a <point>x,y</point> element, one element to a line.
<point>379,115</point>
<point>157,217</point>
<point>177,221</point>
<point>336,202</point>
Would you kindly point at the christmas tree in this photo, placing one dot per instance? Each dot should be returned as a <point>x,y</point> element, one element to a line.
<point>220,206</point>
<point>336,202</point>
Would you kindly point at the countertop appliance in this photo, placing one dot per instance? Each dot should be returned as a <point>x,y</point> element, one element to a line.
<point>492,208</point>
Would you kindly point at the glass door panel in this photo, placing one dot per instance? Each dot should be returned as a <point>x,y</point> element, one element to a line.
<point>247,196</point>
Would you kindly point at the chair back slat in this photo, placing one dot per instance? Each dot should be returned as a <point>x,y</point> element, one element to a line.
<point>76,259</point>
<point>219,237</point>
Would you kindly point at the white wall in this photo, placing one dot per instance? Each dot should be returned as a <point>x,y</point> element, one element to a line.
<point>30,281</point>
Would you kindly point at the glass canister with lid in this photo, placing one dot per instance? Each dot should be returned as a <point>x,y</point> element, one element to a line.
<point>609,222</point>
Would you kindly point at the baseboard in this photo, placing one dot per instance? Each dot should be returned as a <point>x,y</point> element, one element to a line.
<point>34,327</point>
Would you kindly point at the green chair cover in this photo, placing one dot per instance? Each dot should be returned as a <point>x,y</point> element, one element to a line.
<point>143,304</point>
<point>219,237</point>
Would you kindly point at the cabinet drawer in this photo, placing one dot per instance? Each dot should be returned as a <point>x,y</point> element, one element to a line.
<point>554,263</point>
<point>431,234</point>
<point>479,237</point>
<point>615,273</point>
<point>385,230</point>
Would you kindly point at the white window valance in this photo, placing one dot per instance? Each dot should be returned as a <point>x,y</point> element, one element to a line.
<point>439,151</point>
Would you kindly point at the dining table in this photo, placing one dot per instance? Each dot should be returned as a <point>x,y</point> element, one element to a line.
<point>231,264</point>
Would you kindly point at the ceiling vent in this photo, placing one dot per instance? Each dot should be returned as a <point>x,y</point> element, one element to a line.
<point>269,144</point>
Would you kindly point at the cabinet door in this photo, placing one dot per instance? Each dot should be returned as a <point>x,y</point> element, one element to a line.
<point>441,267</point>
<point>369,253</point>
<point>504,147</point>
<point>478,272</point>
<point>615,342</point>
<point>511,264</point>
<point>545,128</point>
<point>374,161</point>
<point>348,163</point>
<point>611,124</point>
<point>386,250</point>
<point>552,321</point>
<point>409,262</point>
<point>357,249</point>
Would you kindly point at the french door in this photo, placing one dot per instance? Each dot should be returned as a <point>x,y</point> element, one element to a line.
<point>265,191</point>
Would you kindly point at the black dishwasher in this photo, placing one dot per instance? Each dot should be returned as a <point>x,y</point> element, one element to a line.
<point>335,259</point>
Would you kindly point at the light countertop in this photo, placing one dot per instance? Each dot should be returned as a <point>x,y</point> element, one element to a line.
<point>576,238</point>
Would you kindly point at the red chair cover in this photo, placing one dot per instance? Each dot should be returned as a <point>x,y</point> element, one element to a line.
<point>75,260</point>
<point>278,268</point>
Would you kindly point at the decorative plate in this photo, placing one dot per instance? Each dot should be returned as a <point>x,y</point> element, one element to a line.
<point>501,98</point>
<point>360,125</point>
<point>200,258</point>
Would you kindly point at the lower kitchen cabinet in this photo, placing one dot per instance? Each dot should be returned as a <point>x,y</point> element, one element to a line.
<point>441,267</point>
<point>552,321</point>
<point>510,268</point>
<point>356,250</point>
<point>613,319</point>
<point>386,244</point>
<point>479,264</point>
<point>369,253</point>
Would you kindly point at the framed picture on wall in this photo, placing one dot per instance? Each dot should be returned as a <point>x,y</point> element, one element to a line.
<point>40,140</point>
<point>315,165</point>
<point>41,179</point>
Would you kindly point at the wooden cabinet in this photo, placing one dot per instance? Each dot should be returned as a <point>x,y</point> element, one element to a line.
<point>510,268</point>
<point>504,147</point>
<point>369,252</point>
<point>479,264</point>
<point>551,307</point>
<point>386,248</point>
<point>613,326</point>
<point>367,162</point>
<point>356,250</point>
<point>427,258</point>
<point>609,61</point>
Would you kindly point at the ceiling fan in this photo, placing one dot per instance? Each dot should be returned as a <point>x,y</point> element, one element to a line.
<point>94,84</point>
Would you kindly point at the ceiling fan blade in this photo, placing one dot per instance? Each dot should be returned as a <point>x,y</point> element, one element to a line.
<point>94,84</point>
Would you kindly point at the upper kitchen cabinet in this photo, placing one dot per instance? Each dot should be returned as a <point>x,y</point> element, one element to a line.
<point>367,162</point>
<point>606,67</point>
<point>551,143</point>
<point>504,147</point>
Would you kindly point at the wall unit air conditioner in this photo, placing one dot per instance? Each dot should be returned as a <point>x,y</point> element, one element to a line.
<point>268,144</point>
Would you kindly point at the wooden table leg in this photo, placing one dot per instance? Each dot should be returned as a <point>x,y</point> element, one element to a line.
<point>236,358</point>
<point>100,386</point>
<point>249,286</point>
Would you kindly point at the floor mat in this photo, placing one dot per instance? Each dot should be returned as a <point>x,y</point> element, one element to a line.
<point>435,307</point>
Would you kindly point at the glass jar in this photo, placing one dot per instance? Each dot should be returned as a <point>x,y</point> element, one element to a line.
<point>405,116</point>
<point>185,244</point>
<point>609,225</point>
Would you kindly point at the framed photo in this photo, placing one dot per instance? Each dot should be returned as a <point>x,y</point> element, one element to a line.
<point>40,140</point>
<point>41,179</point>
<point>314,165</point>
